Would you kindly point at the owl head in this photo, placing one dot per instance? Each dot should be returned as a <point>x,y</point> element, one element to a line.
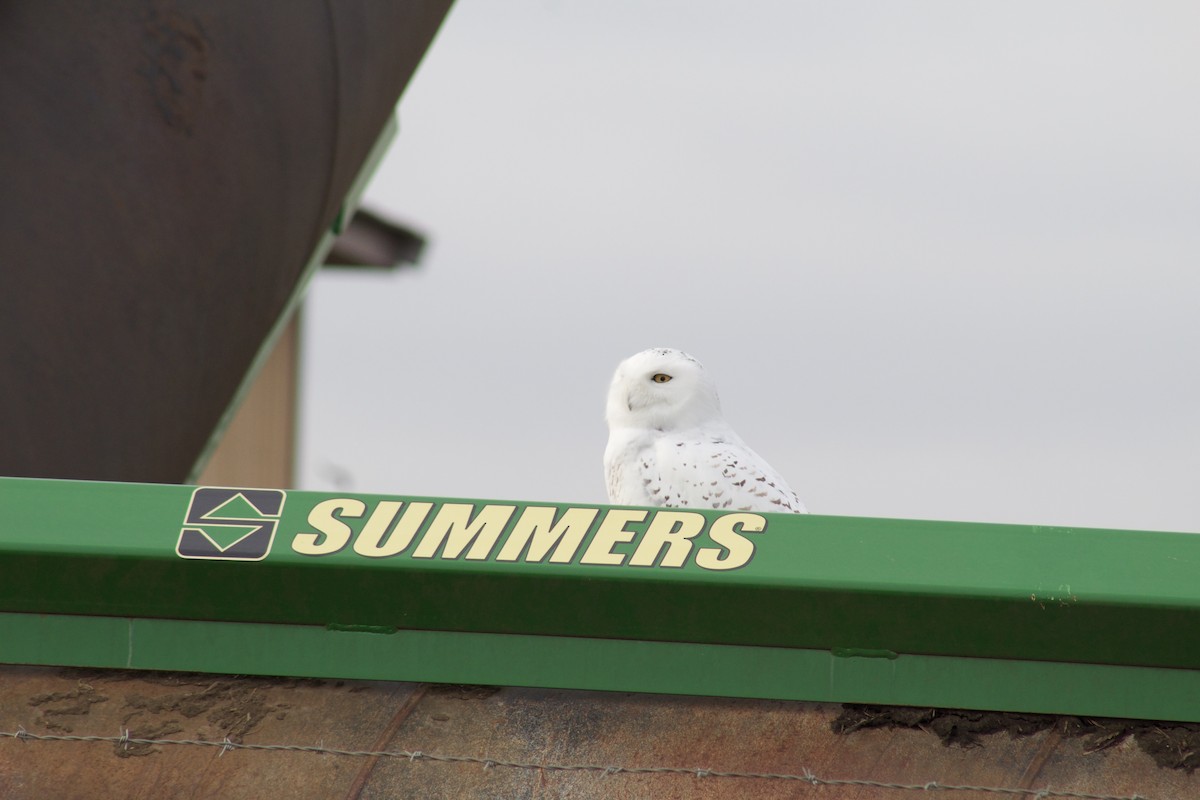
<point>662,389</point>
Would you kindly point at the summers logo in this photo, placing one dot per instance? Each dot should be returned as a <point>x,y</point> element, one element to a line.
<point>230,524</point>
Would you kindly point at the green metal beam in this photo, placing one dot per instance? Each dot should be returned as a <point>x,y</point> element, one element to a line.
<point>562,662</point>
<point>598,597</point>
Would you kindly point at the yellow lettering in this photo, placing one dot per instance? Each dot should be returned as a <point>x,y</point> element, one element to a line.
<point>673,530</point>
<point>537,529</point>
<point>736,550</point>
<point>611,532</point>
<point>332,534</point>
<point>453,525</point>
<point>370,542</point>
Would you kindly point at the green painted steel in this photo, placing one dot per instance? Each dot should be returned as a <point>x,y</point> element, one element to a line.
<point>602,664</point>
<point>879,604</point>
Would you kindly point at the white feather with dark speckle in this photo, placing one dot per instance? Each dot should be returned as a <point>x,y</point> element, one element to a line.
<point>669,444</point>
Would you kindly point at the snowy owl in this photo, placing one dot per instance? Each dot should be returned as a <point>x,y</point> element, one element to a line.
<point>669,445</point>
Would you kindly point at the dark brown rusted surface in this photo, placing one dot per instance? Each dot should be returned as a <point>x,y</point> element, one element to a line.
<point>526,725</point>
<point>173,706</point>
<point>1175,745</point>
<point>166,171</point>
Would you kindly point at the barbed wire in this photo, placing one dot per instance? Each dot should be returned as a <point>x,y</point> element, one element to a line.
<point>804,776</point>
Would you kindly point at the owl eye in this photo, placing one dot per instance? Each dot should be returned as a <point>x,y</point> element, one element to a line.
<point>661,377</point>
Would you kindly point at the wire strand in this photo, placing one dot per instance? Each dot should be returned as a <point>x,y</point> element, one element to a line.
<point>804,776</point>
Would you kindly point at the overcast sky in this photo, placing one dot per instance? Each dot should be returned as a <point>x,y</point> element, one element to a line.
<point>940,257</point>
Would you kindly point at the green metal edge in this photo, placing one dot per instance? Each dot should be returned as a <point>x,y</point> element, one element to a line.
<point>374,157</point>
<point>844,583</point>
<point>602,664</point>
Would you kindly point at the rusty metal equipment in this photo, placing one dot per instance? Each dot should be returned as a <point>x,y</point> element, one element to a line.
<point>169,177</point>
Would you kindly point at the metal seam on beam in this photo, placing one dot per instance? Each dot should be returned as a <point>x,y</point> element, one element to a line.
<point>603,664</point>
